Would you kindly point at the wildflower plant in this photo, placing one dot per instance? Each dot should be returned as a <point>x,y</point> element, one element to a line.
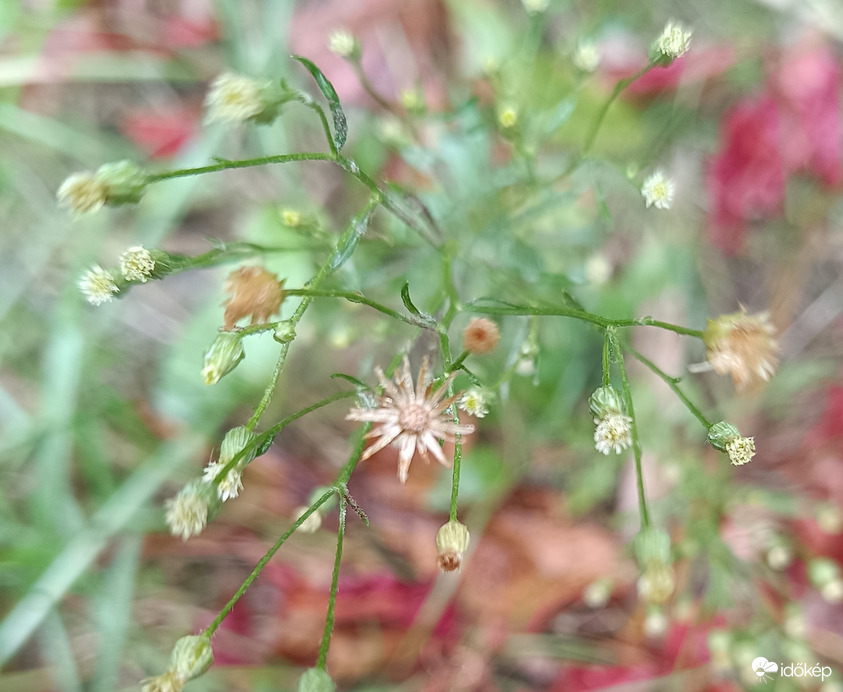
<point>479,346</point>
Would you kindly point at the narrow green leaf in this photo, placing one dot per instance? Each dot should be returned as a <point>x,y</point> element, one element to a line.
<point>353,380</point>
<point>405,296</point>
<point>350,237</point>
<point>327,89</point>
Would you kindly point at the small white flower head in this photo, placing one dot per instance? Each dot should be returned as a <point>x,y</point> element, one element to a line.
<point>657,583</point>
<point>535,6</point>
<point>613,432</point>
<point>187,512</point>
<point>310,525</point>
<point>137,264</point>
<point>98,285</point>
<point>673,43</point>
<point>341,42</point>
<point>475,402</point>
<point>586,56</point>
<point>740,450</point>
<point>598,269</point>
<point>82,192</point>
<point>779,557</point>
<point>229,486</point>
<point>597,593</point>
<point>658,191</point>
<point>655,624</point>
<point>235,98</point>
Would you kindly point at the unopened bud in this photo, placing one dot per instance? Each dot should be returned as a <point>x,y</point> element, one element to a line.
<point>285,332</point>
<point>316,680</point>
<point>604,401</point>
<point>451,541</point>
<point>652,545</point>
<point>222,357</point>
<point>191,657</point>
<point>720,434</point>
<point>125,182</point>
<point>234,442</point>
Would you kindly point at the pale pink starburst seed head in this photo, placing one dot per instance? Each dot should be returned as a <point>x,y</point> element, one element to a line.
<point>413,418</point>
<point>743,346</point>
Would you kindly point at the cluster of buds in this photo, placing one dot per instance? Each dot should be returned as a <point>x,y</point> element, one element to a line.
<point>726,438</point>
<point>191,657</point>
<point>452,541</point>
<point>614,427</point>
<point>114,184</point>
<point>236,98</point>
<point>237,444</point>
<point>652,552</point>
<point>674,42</point>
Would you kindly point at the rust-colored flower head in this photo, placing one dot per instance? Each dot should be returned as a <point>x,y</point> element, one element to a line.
<point>481,335</point>
<point>451,543</point>
<point>411,418</point>
<point>254,292</point>
<point>743,346</point>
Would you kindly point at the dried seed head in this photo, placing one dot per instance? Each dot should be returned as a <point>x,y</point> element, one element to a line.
<point>743,346</point>
<point>481,335</point>
<point>254,292</point>
<point>452,541</point>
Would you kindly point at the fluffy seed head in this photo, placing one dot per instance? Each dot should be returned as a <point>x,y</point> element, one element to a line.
<point>187,512</point>
<point>481,335</point>
<point>674,42</point>
<point>613,432</point>
<point>82,192</point>
<point>743,346</point>
<point>254,292</point>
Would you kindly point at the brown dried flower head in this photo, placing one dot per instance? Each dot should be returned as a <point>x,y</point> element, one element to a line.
<point>481,335</point>
<point>411,418</point>
<point>743,346</point>
<point>254,292</point>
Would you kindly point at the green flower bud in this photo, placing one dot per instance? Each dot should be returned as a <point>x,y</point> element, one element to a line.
<point>191,657</point>
<point>652,545</point>
<point>234,442</point>
<point>604,401</point>
<point>285,332</point>
<point>720,434</point>
<point>452,541</point>
<point>222,357</point>
<point>124,180</point>
<point>316,680</point>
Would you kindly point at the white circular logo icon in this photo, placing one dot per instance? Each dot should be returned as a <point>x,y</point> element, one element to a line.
<point>762,667</point>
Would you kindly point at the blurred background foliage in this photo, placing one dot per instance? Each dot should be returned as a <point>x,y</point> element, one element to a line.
<point>104,414</point>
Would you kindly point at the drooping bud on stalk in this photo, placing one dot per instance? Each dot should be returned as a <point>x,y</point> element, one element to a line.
<point>452,541</point>
<point>222,357</point>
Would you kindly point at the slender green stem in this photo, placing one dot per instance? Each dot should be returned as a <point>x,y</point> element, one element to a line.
<point>607,348</point>
<point>562,311</point>
<point>316,108</point>
<point>326,268</point>
<point>210,629</point>
<point>332,600</point>
<point>673,383</point>
<point>601,116</point>
<point>341,480</point>
<point>224,165</point>
<point>458,362</point>
<point>354,297</point>
<point>636,443</point>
